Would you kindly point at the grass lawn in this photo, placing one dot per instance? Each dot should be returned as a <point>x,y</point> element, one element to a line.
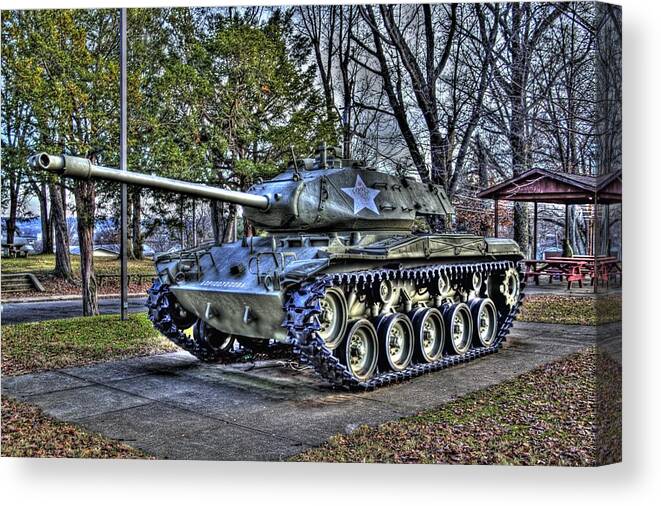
<point>545,417</point>
<point>29,347</point>
<point>27,432</point>
<point>572,310</point>
<point>42,265</point>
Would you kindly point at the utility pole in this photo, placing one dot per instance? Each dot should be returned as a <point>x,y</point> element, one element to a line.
<point>123,241</point>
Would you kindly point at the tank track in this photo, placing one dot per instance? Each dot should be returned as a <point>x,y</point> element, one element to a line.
<point>159,304</point>
<point>302,306</point>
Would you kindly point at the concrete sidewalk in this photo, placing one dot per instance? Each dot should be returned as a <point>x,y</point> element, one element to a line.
<point>178,408</point>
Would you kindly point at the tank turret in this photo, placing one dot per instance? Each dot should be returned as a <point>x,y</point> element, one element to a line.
<point>322,194</point>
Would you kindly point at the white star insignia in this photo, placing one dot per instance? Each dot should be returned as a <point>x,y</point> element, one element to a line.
<point>363,197</point>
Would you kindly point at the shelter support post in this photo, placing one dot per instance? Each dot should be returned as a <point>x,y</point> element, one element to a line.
<point>595,242</point>
<point>607,218</point>
<point>534,232</point>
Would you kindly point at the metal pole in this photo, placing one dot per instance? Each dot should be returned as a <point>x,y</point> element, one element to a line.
<point>123,242</point>
<point>534,239</point>
<point>495,218</point>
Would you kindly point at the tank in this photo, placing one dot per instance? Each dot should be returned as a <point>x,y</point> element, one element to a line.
<point>335,272</point>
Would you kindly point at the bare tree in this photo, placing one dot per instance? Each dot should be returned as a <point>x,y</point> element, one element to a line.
<point>437,59</point>
<point>608,28</point>
<point>329,29</point>
<point>522,26</point>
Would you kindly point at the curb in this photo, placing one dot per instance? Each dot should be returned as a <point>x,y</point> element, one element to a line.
<point>69,297</point>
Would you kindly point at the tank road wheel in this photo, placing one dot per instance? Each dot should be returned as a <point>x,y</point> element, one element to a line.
<point>459,326</point>
<point>181,318</point>
<point>429,332</point>
<point>360,349</point>
<point>396,341</point>
<point>333,317</point>
<point>485,321</point>
<point>212,338</point>
<point>511,286</point>
<point>504,289</point>
<point>384,291</point>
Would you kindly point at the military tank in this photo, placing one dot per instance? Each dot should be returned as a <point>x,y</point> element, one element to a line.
<point>336,272</point>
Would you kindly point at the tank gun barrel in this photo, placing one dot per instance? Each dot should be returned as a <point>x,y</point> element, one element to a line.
<point>82,168</point>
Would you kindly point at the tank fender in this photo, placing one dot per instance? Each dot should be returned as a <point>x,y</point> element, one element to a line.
<point>298,270</point>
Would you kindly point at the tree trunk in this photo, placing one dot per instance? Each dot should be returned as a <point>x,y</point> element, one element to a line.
<point>518,141</point>
<point>248,229</point>
<point>58,218</point>
<point>182,223</point>
<point>483,178</point>
<point>347,83</point>
<point>46,229</point>
<point>216,211</point>
<point>85,207</point>
<point>136,217</point>
<point>13,207</point>
<point>229,225</point>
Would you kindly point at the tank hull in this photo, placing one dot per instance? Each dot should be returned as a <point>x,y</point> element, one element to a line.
<point>241,288</point>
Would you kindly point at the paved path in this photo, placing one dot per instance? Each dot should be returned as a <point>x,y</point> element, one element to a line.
<point>21,312</point>
<point>175,407</point>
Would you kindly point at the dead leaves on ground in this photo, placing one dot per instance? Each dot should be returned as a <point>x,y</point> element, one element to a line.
<point>27,432</point>
<point>571,310</point>
<point>548,416</point>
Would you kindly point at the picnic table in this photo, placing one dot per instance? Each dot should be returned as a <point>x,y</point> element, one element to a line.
<point>14,251</point>
<point>574,268</point>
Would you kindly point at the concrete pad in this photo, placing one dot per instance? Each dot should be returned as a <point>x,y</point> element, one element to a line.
<point>25,385</point>
<point>149,426</point>
<point>297,417</point>
<point>130,368</point>
<point>313,422</point>
<point>273,378</point>
<point>85,401</point>
<point>190,393</point>
<point>428,391</point>
<point>229,442</point>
